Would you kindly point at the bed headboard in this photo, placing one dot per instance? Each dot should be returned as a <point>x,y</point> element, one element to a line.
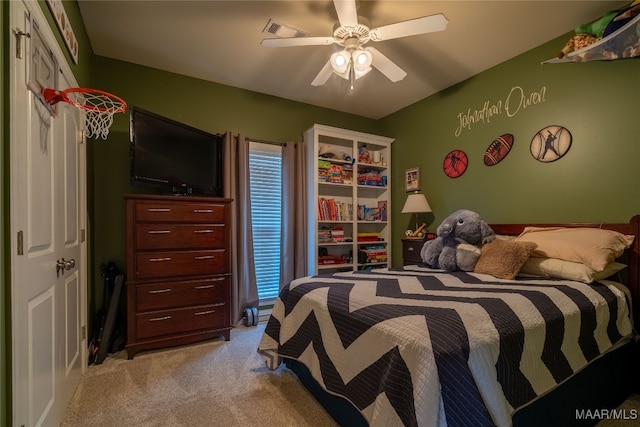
<point>631,257</point>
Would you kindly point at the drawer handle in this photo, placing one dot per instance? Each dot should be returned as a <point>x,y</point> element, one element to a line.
<point>159,231</point>
<point>200,313</point>
<point>159,259</point>
<point>203,231</point>
<point>203,210</point>
<point>159,319</point>
<point>203,257</point>
<point>159,210</point>
<point>410,249</point>
<point>160,291</point>
<point>205,286</point>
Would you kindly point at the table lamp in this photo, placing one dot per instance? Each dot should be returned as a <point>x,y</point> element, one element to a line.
<point>416,203</point>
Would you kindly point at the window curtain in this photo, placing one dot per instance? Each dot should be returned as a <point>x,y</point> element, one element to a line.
<point>244,291</point>
<point>294,213</point>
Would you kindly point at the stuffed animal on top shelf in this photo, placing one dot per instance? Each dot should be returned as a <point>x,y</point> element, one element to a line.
<point>608,23</point>
<point>577,42</point>
<point>597,27</point>
<point>463,227</point>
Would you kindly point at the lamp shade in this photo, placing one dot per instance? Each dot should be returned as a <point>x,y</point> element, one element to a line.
<point>416,203</point>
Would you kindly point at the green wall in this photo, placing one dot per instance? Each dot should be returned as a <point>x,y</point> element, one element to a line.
<point>596,181</point>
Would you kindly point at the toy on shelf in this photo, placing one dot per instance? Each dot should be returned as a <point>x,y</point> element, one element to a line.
<point>577,42</point>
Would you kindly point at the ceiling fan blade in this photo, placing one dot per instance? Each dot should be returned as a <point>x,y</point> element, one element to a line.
<point>347,14</point>
<point>386,66</point>
<point>412,27</point>
<point>323,75</point>
<point>297,41</point>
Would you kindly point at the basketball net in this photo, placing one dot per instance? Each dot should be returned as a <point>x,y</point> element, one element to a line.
<point>45,123</point>
<point>99,106</point>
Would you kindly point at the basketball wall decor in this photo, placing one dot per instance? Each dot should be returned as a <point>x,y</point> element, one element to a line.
<point>498,149</point>
<point>455,163</point>
<point>550,143</point>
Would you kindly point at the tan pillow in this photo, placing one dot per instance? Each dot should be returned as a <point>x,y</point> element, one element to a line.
<point>503,258</point>
<point>551,267</point>
<point>593,247</point>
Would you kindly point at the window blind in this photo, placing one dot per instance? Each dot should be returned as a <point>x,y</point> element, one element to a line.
<point>265,170</point>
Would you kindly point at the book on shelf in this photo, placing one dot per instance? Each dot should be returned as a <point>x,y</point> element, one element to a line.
<point>333,234</point>
<point>332,210</point>
<point>368,237</point>
<point>337,235</point>
<point>372,255</point>
<point>335,173</point>
<point>382,210</point>
<point>367,213</point>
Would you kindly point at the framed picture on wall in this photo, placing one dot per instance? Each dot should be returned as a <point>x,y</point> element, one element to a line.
<point>412,179</point>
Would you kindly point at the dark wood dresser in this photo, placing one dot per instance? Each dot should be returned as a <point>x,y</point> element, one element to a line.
<point>178,270</point>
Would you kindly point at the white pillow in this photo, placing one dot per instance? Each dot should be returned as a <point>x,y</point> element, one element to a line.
<point>552,267</point>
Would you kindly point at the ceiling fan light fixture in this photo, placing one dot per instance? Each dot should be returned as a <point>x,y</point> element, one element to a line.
<point>340,61</point>
<point>361,73</point>
<point>362,60</point>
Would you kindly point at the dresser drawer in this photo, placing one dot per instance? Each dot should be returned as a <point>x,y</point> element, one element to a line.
<point>150,265</point>
<point>179,212</point>
<point>168,322</point>
<point>177,236</point>
<point>160,296</point>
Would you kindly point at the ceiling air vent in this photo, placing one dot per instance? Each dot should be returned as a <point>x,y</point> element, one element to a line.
<point>282,30</point>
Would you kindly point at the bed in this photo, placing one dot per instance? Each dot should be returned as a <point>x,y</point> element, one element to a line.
<point>420,347</point>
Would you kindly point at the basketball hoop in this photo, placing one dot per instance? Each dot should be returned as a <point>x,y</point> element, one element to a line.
<point>100,106</point>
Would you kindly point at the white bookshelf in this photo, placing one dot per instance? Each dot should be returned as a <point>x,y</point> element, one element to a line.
<point>349,197</point>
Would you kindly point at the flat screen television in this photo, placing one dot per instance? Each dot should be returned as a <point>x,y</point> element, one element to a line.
<point>174,158</point>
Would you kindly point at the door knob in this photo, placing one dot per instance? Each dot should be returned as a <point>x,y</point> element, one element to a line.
<point>62,265</point>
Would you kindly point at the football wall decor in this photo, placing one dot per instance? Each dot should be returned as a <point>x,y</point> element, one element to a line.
<point>498,149</point>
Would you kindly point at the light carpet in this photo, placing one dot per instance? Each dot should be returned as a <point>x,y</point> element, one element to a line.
<point>216,383</point>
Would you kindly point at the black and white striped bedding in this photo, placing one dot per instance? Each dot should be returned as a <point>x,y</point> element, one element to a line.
<point>424,347</point>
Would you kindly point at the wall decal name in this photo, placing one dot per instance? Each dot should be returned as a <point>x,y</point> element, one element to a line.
<point>515,101</point>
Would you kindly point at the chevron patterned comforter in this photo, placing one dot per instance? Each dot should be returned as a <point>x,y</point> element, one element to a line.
<point>422,347</point>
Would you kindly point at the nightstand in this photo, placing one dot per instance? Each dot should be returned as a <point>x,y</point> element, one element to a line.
<point>411,251</point>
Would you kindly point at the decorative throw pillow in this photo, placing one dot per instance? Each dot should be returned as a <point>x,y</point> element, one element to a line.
<point>503,258</point>
<point>593,247</point>
<point>467,256</point>
<point>552,267</point>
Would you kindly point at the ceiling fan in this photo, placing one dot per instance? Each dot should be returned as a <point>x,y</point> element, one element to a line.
<point>356,60</point>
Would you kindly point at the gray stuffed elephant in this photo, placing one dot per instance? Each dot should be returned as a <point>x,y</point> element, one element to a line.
<point>461,227</point>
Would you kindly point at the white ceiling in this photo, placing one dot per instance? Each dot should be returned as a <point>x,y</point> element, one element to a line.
<point>219,41</point>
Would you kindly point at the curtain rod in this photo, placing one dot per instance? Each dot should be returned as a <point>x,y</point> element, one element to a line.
<point>264,141</point>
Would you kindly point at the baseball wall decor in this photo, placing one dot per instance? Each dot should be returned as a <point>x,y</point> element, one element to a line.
<point>455,163</point>
<point>550,143</point>
<point>498,149</point>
